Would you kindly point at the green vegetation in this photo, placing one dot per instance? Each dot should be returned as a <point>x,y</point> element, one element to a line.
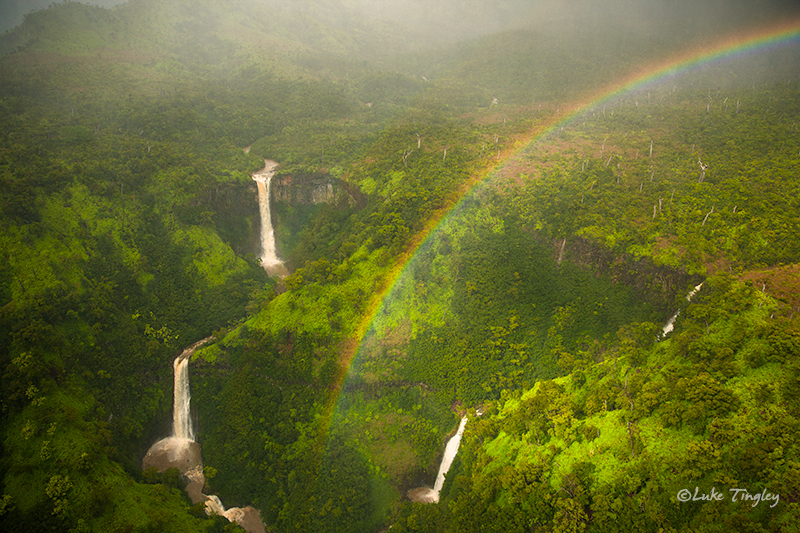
<point>128,229</point>
<point>610,447</point>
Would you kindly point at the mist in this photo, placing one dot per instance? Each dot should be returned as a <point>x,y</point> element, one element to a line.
<point>13,12</point>
<point>417,24</point>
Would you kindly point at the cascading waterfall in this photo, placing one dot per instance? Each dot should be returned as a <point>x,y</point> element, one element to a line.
<point>670,325</point>
<point>182,452</point>
<point>269,256</point>
<point>450,452</point>
<point>426,495</point>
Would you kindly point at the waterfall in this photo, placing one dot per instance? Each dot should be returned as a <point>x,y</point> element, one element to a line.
<point>182,452</point>
<point>426,495</point>
<point>670,325</point>
<point>181,416</point>
<point>182,396</point>
<point>269,257</point>
<point>450,452</point>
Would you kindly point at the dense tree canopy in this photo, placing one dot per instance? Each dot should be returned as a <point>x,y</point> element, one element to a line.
<point>485,255</point>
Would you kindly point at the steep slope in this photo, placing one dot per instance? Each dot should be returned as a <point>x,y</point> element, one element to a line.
<point>123,182</point>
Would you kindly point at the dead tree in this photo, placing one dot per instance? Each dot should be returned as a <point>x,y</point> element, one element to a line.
<point>702,170</point>
<point>406,153</point>
<point>707,215</point>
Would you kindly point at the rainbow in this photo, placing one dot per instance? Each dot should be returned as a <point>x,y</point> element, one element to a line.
<point>730,47</point>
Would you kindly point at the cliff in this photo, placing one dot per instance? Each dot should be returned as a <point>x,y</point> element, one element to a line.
<point>315,189</point>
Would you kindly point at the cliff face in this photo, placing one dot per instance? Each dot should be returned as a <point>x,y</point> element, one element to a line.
<point>659,285</point>
<point>314,189</point>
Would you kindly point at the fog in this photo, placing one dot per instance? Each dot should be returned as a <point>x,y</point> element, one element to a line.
<point>12,12</point>
<point>426,23</point>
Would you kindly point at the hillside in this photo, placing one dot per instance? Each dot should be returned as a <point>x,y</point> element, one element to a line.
<point>505,238</point>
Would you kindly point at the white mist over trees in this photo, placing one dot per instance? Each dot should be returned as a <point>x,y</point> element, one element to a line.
<point>12,12</point>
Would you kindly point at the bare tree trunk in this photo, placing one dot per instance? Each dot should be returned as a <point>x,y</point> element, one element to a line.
<point>406,153</point>
<point>707,215</point>
<point>702,170</point>
<point>630,435</point>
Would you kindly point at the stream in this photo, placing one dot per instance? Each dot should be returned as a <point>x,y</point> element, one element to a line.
<point>431,495</point>
<point>670,325</point>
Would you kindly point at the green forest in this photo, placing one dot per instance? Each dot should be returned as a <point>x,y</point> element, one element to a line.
<point>500,243</point>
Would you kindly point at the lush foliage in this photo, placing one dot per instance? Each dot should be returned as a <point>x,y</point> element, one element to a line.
<point>610,448</point>
<point>128,229</point>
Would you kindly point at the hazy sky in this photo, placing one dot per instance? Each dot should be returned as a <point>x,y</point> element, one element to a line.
<point>462,19</point>
<point>12,11</point>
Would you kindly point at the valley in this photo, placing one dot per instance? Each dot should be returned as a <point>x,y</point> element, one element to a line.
<point>437,219</point>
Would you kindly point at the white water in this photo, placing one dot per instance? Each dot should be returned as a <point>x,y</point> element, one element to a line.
<point>263,178</point>
<point>426,495</point>
<point>182,451</point>
<point>181,416</point>
<point>670,325</point>
<point>450,452</point>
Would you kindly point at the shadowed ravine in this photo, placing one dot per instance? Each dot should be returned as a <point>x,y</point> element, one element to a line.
<point>182,452</point>
<point>431,495</point>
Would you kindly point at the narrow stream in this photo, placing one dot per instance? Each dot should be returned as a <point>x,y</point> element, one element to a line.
<point>670,325</point>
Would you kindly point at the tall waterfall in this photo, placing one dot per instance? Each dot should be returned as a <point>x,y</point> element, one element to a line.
<point>269,256</point>
<point>450,452</point>
<point>181,416</point>
<point>426,495</point>
<point>182,452</point>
